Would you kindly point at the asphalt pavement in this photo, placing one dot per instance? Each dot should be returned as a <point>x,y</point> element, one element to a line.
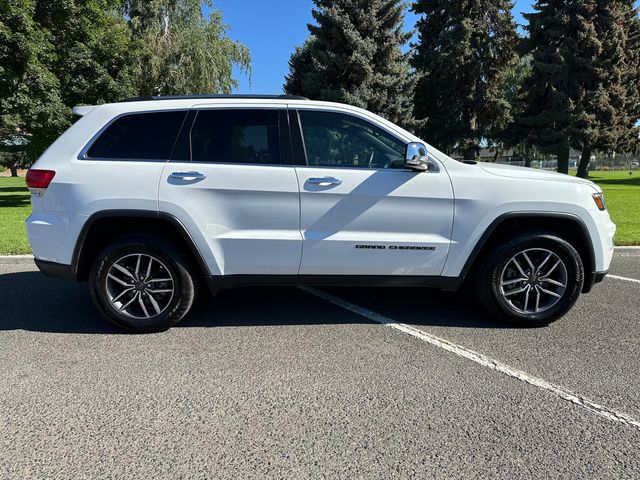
<point>284,383</point>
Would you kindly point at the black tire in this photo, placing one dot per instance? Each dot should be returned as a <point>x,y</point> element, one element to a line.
<point>170,262</point>
<point>502,304</point>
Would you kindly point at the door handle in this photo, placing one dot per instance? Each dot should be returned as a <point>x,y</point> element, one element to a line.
<point>324,181</point>
<point>188,175</point>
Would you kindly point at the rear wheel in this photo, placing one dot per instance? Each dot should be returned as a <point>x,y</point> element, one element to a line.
<point>531,279</point>
<point>143,284</point>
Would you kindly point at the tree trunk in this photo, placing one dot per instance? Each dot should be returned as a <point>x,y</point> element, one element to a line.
<point>585,159</point>
<point>563,160</point>
<point>14,171</point>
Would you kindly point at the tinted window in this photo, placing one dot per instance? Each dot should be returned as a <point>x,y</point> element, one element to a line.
<point>338,140</point>
<point>145,136</point>
<point>236,136</point>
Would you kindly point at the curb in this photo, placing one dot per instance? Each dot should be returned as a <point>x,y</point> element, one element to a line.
<point>16,259</point>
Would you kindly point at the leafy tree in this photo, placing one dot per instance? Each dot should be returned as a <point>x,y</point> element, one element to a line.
<point>31,111</point>
<point>583,89</point>
<point>354,55</point>
<point>463,53</point>
<point>94,51</point>
<point>55,54</point>
<point>182,51</point>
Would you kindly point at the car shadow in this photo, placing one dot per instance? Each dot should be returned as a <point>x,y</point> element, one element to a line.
<point>30,301</point>
<point>630,181</point>
<point>11,200</point>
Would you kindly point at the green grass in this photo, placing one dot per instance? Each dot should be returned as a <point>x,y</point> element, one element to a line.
<point>621,190</point>
<point>15,207</point>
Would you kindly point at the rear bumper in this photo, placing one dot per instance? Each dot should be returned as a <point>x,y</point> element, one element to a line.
<point>56,270</point>
<point>600,276</point>
<point>592,279</point>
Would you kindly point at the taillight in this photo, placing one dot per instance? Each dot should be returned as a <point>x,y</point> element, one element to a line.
<point>39,178</point>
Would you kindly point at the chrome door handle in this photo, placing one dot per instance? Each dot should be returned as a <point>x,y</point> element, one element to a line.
<point>188,175</point>
<point>324,181</point>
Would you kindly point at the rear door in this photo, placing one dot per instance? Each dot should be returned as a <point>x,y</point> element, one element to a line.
<point>232,183</point>
<point>362,212</point>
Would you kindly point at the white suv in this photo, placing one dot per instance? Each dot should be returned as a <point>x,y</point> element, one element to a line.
<point>147,198</point>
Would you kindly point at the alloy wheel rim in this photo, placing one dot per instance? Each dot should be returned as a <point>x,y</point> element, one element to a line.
<point>139,286</point>
<point>533,281</point>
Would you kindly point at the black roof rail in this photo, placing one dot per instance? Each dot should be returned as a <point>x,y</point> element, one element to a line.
<point>195,97</point>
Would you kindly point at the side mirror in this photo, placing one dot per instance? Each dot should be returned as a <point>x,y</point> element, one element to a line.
<point>416,157</point>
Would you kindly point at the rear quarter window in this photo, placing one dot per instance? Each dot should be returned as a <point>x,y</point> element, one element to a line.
<point>139,136</point>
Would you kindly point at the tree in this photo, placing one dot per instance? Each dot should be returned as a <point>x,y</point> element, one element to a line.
<point>354,55</point>
<point>182,52</point>
<point>463,53</point>
<point>513,135</point>
<point>55,54</point>
<point>608,118</point>
<point>583,89</point>
<point>31,111</point>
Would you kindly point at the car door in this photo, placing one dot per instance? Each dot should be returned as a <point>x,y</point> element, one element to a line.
<point>362,211</point>
<point>232,183</point>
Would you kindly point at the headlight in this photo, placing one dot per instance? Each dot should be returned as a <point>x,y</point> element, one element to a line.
<point>600,201</point>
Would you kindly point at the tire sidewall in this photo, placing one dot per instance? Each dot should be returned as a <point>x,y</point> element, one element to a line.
<point>169,256</point>
<point>575,277</point>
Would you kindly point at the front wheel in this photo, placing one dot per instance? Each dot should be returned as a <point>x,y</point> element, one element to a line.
<point>142,284</point>
<point>530,279</point>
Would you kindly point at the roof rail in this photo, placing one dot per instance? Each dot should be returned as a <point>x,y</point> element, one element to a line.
<point>190,97</point>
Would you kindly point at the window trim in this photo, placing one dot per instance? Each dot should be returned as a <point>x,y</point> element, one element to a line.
<point>83,153</point>
<point>303,147</point>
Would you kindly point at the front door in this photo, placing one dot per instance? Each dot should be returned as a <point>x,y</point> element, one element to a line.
<point>362,212</point>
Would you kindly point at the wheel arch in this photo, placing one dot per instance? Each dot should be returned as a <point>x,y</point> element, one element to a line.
<point>105,226</point>
<point>566,225</point>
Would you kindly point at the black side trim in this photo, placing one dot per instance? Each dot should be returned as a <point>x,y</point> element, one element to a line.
<point>77,253</point>
<point>223,282</point>
<point>182,148</point>
<point>286,154</point>
<point>297,144</point>
<point>57,270</point>
<point>589,277</point>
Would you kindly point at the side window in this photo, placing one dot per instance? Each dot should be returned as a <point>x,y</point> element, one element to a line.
<point>340,140</point>
<point>139,136</point>
<point>236,136</point>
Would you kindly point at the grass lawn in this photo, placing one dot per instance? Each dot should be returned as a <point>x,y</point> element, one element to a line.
<point>15,207</point>
<point>621,190</point>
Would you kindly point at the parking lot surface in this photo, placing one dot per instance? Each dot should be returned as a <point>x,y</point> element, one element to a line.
<point>283,383</point>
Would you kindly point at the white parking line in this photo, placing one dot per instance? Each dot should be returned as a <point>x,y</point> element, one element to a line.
<point>481,359</point>
<point>626,279</point>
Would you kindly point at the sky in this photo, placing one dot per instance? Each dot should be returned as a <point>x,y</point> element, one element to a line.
<point>273,28</point>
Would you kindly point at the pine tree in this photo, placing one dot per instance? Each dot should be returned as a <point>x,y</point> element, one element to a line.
<point>612,95</point>
<point>463,52</point>
<point>583,89</point>
<point>354,55</point>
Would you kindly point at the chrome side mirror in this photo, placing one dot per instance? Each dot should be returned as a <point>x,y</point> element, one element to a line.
<point>416,157</point>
